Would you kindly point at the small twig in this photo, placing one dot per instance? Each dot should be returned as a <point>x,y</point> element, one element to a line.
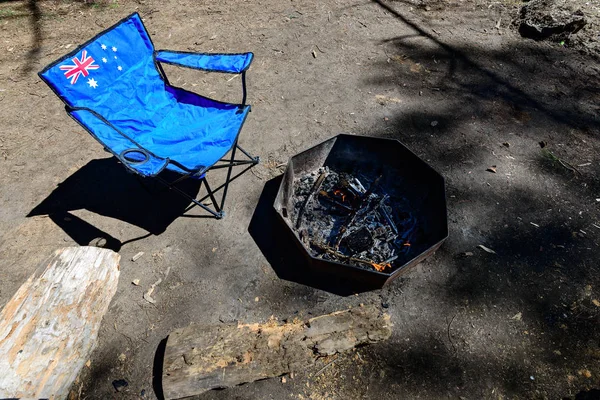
<point>254,173</point>
<point>449,337</point>
<point>342,256</point>
<point>565,164</point>
<point>319,49</point>
<point>569,166</point>
<point>323,369</point>
<point>80,390</point>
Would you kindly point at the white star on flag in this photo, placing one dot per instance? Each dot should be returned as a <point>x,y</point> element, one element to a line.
<point>104,59</point>
<point>120,68</point>
<point>103,46</point>
<point>92,82</point>
<point>114,48</point>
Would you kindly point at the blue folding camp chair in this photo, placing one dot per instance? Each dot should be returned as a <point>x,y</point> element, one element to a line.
<point>115,87</point>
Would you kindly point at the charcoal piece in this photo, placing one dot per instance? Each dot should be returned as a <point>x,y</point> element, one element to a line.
<point>358,241</point>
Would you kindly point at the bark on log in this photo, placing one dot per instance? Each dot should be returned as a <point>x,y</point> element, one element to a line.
<point>200,358</point>
<point>49,327</point>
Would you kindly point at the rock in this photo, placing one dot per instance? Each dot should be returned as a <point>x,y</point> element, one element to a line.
<point>120,384</point>
<point>550,19</point>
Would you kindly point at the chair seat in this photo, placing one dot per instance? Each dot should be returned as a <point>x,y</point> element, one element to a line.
<point>196,137</point>
<point>195,132</point>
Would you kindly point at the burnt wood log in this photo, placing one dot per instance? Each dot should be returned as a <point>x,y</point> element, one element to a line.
<point>199,358</point>
<point>315,188</point>
<point>363,201</point>
<point>48,329</point>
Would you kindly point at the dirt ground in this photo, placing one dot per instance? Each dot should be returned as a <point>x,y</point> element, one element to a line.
<point>450,79</point>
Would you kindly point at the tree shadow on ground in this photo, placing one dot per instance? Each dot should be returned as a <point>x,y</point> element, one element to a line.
<point>476,107</point>
<point>104,187</point>
<point>31,10</point>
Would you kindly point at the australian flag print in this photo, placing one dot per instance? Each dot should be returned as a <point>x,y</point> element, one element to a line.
<point>113,62</point>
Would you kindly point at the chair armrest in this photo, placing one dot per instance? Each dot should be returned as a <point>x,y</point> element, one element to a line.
<point>230,63</point>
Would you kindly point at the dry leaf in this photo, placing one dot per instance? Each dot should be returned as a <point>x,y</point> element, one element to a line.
<point>382,99</point>
<point>596,303</point>
<point>467,254</point>
<point>149,299</point>
<point>486,249</point>
<point>492,169</point>
<point>136,282</point>
<point>517,316</point>
<point>585,372</point>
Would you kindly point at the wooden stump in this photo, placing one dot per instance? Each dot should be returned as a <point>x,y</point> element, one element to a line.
<point>200,358</point>
<point>49,327</point>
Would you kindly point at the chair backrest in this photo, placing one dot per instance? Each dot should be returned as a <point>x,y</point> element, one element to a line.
<point>113,74</point>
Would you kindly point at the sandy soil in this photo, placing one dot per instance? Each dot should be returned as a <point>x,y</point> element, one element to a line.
<point>521,323</point>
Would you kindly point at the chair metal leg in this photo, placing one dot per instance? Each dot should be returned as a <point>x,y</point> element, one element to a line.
<point>229,164</point>
<point>255,159</point>
<point>212,196</point>
<point>228,175</point>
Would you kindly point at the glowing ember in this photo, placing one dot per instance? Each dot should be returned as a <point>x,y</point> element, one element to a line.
<point>381,267</point>
<point>339,193</point>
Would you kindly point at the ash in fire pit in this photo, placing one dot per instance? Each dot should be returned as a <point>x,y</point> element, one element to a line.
<point>350,218</point>
<point>361,209</point>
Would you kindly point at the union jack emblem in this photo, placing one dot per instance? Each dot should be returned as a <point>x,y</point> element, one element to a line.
<point>81,67</point>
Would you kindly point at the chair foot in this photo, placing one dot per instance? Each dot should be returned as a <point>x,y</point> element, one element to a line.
<point>220,214</point>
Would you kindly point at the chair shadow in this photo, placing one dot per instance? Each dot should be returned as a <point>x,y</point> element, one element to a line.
<point>288,262</point>
<point>104,187</point>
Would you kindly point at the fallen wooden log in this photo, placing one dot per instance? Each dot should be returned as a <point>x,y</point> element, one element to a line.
<point>199,358</point>
<point>49,327</point>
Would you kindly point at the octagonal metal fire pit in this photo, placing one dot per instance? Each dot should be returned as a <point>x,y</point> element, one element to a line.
<point>362,208</point>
